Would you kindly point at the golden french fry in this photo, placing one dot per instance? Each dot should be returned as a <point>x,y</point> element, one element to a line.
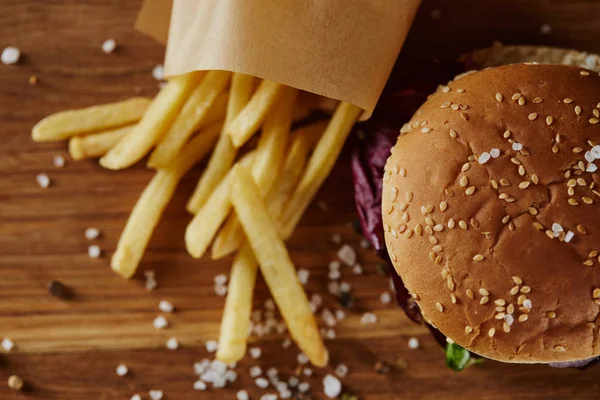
<point>217,111</point>
<point>235,323</point>
<point>320,164</point>
<point>252,116</point>
<point>224,154</point>
<point>154,124</point>
<point>146,213</point>
<point>65,124</point>
<point>238,305</point>
<point>277,268</point>
<point>96,145</point>
<point>267,165</point>
<point>202,228</point>
<point>193,112</point>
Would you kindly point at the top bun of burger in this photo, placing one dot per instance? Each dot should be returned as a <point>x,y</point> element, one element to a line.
<point>490,207</point>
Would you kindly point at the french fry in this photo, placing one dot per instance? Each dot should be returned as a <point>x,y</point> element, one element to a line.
<point>65,124</point>
<point>154,124</point>
<point>238,305</point>
<point>277,268</point>
<point>224,154</point>
<point>235,323</point>
<point>202,228</point>
<point>217,111</point>
<point>320,164</point>
<point>266,168</point>
<point>187,121</point>
<point>146,213</point>
<point>96,145</point>
<point>252,116</point>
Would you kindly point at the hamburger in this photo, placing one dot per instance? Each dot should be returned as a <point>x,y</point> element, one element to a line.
<point>489,208</point>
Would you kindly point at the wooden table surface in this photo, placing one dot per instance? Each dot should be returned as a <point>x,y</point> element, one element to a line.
<point>69,350</point>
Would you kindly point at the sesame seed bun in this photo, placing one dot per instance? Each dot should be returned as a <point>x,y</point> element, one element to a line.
<point>490,207</point>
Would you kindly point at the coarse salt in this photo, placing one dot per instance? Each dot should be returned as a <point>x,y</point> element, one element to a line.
<point>331,386</point>
<point>483,158</point>
<point>303,387</point>
<point>596,151</point>
<point>261,383</point>
<point>364,243</point>
<point>509,319</point>
<point>155,394</point>
<point>165,306</point>
<point>255,352</point>
<point>160,322</point>
<point>136,397</point>
<point>413,343</point>
<point>345,287</point>
<point>495,153</point>
<point>303,275</point>
<point>516,146</point>
<point>255,371</point>
<point>7,344</point>
<point>368,318</point>
<point>58,161</point>
<point>220,290</point>
<point>286,343</point>
<point>10,55</point>
<point>43,180</point>
<point>340,315</point>
<point>589,157</point>
<point>220,279</point>
<point>357,269</point>
<point>211,346</point>
<point>109,45</point>
<point>94,251</point>
<point>527,304</point>
<point>172,343</point>
<point>334,275</point>
<point>330,334</point>
<point>242,395</point>
<point>307,372</point>
<point>385,297</point>
<point>569,236</point>
<point>336,238</point>
<point>347,255</point>
<point>158,72</point>
<point>302,359</point>
<point>341,370</point>
<point>200,385</point>
<point>591,167</point>
<point>91,233</point>
<point>557,227</point>
<point>122,370</point>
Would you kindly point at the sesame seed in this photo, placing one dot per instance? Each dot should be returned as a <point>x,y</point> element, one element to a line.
<point>549,120</point>
<point>408,196</point>
<point>514,290</point>
<point>468,329</point>
<point>499,96</point>
<point>506,134</point>
<point>533,116</point>
<point>494,184</point>
<point>587,200</point>
<point>500,315</point>
<point>588,263</point>
<point>594,121</point>
<point>484,292</point>
<point>524,184</point>
<point>443,206</point>
<point>500,302</point>
<point>438,228</point>
<point>506,327</point>
<point>560,349</point>
<point>439,307</point>
<point>521,101</point>
<point>537,100</point>
<point>517,280</point>
<point>426,130</point>
<point>469,293</point>
<point>516,96</point>
<point>429,221</point>
<point>521,170</point>
<point>445,104</point>
<point>484,300</point>
<point>453,133</point>
<point>500,309</point>
<point>454,107</point>
<point>462,224</point>
<point>470,190</point>
<point>581,229</point>
<point>535,179</point>
<point>532,211</point>
<point>503,196</point>
<point>584,73</point>
<point>418,229</point>
<point>403,172</point>
<point>491,332</point>
<point>523,318</point>
<point>464,181</point>
<point>451,223</point>
<point>452,298</point>
<point>551,314</point>
<point>577,110</point>
<point>572,201</point>
<point>596,113</point>
<point>510,309</point>
<point>464,116</point>
<point>568,100</point>
<point>445,89</point>
<point>478,257</point>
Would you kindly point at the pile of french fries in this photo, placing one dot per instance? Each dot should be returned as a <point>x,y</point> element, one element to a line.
<point>250,196</point>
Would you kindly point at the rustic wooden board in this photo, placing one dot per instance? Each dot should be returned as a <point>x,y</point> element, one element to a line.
<point>69,350</point>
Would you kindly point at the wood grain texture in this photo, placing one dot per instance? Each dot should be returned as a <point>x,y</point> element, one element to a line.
<point>69,350</point>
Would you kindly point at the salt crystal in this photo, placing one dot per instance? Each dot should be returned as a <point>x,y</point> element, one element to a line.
<point>495,153</point>
<point>332,386</point>
<point>316,299</point>
<point>172,343</point>
<point>333,287</point>
<point>165,306</point>
<point>200,367</point>
<point>220,290</point>
<point>285,394</point>
<point>341,370</point>
<point>509,319</point>
<point>219,382</point>
<point>385,297</point>
<point>302,359</point>
<point>200,385</point>
<point>336,238</point>
<point>155,394</point>
<point>122,370</point>
<point>272,372</point>
<point>330,334</point>
<point>255,352</point>
<point>109,46</point>
<point>286,343</point>
<point>516,146</point>
<point>527,304</point>
<point>94,251</point>
<point>483,158</point>
<point>91,233</point>
<point>340,315</point>
<point>270,304</point>
<point>231,376</point>
<point>546,29</point>
<point>160,322</point>
<point>345,287</point>
<point>589,157</point>
<point>242,395</point>
<point>334,275</point>
<point>569,236</point>
<point>347,255</point>
<point>7,344</point>
<point>211,346</point>
<point>357,269</point>
<point>556,227</point>
<point>591,167</point>
<point>596,151</point>
<point>413,343</point>
<point>58,161</point>
<point>364,243</point>
<point>158,72</point>
<point>220,279</point>
<point>136,397</point>
<point>261,383</point>
<point>307,372</point>
<point>255,371</point>
<point>268,396</point>
<point>368,318</point>
<point>10,55</point>
<point>43,180</point>
<point>293,381</point>
<point>334,266</point>
<point>303,387</point>
<point>303,275</point>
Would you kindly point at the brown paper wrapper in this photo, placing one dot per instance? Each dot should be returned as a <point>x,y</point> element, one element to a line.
<point>336,48</point>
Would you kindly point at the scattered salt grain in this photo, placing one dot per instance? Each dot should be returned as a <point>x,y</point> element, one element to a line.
<point>220,279</point>
<point>165,306</point>
<point>220,290</point>
<point>160,322</point>
<point>569,236</point>
<point>231,375</point>
<point>347,255</point>
<point>495,153</point>
<point>136,397</point>
<point>91,233</point>
<point>483,158</point>
<point>155,394</point>
<point>330,334</point>
<point>591,168</point>
<point>413,343</point>
<point>368,318</point>
<point>331,386</point>
<point>334,275</point>
<point>345,287</point>
<point>303,387</point>
<point>109,46</point>
<point>357,269</point>
<point>242,395</point>
<point>7,344</point>
<point>158,72</point>
<point>333,287</point>
<point>293,381</point>
<point>43,180</point>
<point>286,343</point>
<point>94,251</point>
<point>556,228</point>
<point>307,372</point>
<point>122,370</point>
<point>509,319</point>
<point>268,396</point>
<point>516,146</point>
<point>200,385</point>
<point>546,29</point>
<point>364,243</point>
<point>172,343</point>
<point>336,238</point>
<point>261,383</point>
<point>255,352</point>
<point>527,304</point>
<point>341,370</point>
<point>596,151</point>
<point>385,298</point>
<point>270,304</point>
<point>303,275</point>
<point>58,161</point>
<point>340,315</point>
<point>589,157</point>
<point>10,55</point>
<point>334,266</point>
<point>302,359</point>
<point>255,371</point>
<point>200,367</point>
<point>211,346</point>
